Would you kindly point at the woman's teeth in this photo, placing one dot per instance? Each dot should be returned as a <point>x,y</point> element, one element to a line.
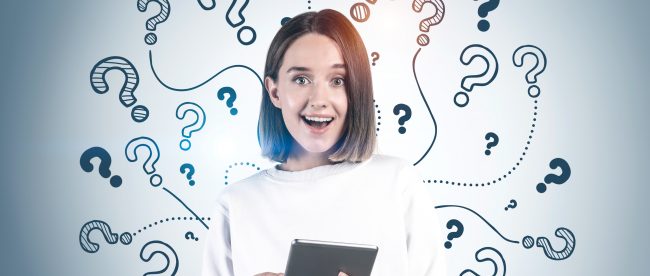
<point>317,122</point>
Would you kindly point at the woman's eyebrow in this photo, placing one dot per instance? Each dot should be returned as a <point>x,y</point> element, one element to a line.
<point>298,68</point>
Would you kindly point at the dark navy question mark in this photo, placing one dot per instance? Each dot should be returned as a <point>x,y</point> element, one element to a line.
<point>188,167</point>
<point>494,143</point>
<point>513,204</point>
<point>104,164</point>
<point>455,234</point>
<point>557,179</point>
<point>483,11</point>
<point>402,119</point>
<point>190,235</point>
<point>231,98</point>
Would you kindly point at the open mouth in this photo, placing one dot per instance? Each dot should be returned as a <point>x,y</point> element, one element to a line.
<point>317,122</point>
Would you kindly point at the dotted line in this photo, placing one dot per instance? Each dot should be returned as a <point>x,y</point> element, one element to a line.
<point>238,164</point>
<point>151,225</point>
<point>378,117</point>
<point>505,175</point>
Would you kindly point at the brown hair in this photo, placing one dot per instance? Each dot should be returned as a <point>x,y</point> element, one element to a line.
<point>359,137</point>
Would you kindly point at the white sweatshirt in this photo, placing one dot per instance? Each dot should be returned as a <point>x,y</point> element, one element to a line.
<point>380,201</point>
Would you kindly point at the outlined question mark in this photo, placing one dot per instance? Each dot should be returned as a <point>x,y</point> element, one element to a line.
<point>483,10</point>
<point>543,242</point>
<point>99,84</point>
<point>181,112</point>
<point>207,7</point>
<point>513,204</point>
<point>152,22</point>
<point>188,167</point>
<point>498,266</point>
<point>402,119</point>
<point>110,237</point>
<point>539,67</point>
<point>557,179</point>
<point>240,20</point>
<point>493,143</point>
<point>190,235</point>
<point>425,25</point>
<point>104,164</point>
<point>455,234</point>
<point>158,247</point>
<point>375,57</point>
<point>232,96</point>
<point>492,69</point>
<point>154,153</point>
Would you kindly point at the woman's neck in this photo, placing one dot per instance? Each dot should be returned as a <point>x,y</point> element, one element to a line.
<point>300,159</point>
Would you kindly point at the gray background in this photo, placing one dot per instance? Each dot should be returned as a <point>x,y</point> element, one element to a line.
<point>592,113</point>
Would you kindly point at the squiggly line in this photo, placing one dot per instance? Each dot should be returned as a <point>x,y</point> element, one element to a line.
<point>435,134</point>
<point>206,81</point>
<point>477,214</point>
<point>188,208</point>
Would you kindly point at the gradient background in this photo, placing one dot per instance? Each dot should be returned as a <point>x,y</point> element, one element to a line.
<point>592,113</point>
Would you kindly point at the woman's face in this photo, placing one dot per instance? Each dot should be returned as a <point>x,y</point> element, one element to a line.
<point>310,91</point>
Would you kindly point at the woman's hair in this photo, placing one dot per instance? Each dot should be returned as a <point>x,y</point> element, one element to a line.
<point>359,137</point>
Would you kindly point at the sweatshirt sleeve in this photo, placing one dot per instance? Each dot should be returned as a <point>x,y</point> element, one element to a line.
<point>217,256</point>
<point>423,234</point>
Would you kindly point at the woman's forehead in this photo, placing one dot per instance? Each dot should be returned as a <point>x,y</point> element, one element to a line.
<point>313,52</point>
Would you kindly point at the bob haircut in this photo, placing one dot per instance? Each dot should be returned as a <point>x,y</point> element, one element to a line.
<point>358,140</point>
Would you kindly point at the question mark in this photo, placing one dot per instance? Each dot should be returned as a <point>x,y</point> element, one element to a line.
<point>402,119</point>
<point>185,167</point>
<point>240,20</point>
<point>197,125</point>
<point>455,234</point>
<point>483,11</point>
<point>375,57</point>
<point>207,7</point>
<point>492,69</point>
<point>531,76</point>
<point>493,143</point>
<point>148,166</point>
<point>423,39</point>
<point>190,235</point>
<point>158,247</point>
<point>501,266</point>
<point>513,204</point>
<point>110,237</point>
<point>104,164</point>
<point>551,253</point>
<point>232,96</point>
<point>99,84</point>
<point>162,16</point>
<point>557,179</point>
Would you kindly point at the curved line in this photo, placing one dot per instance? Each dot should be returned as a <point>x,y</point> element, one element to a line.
<point>201,84</point>
<point>495,230</point>
<point>188,208</point>
<point>435,134</point>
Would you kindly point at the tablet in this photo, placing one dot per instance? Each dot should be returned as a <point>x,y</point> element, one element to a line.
<point>326,258</point>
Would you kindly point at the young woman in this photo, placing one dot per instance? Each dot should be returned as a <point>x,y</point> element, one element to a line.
<point>317,121</point>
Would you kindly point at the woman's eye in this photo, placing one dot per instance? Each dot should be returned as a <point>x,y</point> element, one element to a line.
<point>301,80</point>
<point>338,82</point>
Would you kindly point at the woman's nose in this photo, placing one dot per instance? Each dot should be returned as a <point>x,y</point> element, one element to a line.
<point>318,98</point>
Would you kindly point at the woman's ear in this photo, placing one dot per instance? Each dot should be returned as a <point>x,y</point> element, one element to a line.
<point>272,89</point>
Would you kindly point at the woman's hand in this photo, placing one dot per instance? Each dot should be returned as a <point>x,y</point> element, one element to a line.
<point>282,274</point>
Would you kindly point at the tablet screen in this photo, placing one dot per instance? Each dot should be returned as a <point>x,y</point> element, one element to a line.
<point>326,258</point>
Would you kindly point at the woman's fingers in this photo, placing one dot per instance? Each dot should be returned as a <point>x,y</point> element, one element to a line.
<point>341,273</point>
